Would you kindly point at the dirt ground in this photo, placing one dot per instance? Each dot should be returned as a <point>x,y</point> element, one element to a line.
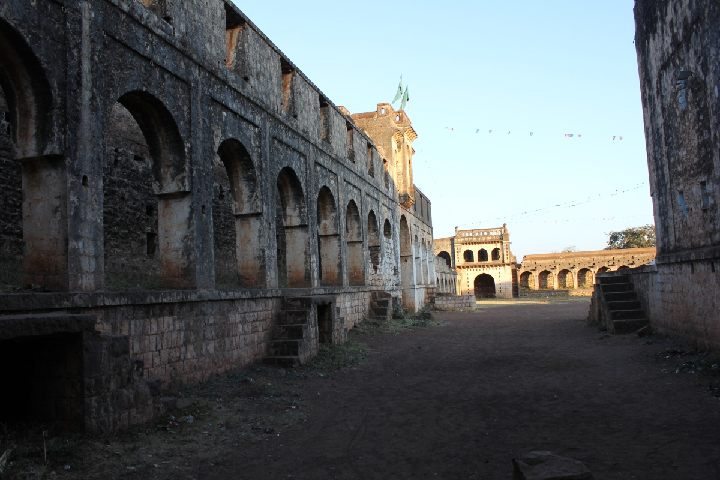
<point>452,401</point>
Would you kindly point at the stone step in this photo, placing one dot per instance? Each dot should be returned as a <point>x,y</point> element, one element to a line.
<point>615,287</point>
<point>613,279</point>
<point>283,348</point>
<point>624,305</point>
<point>295,317</point>
<point>291,361</point>
<point>619,296</point>
<point>288,332</point>
<point>629,326</point>
<point>626,314</point>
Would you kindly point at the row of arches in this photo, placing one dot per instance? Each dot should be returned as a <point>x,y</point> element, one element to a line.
<point>563,279</point>
<point>149,234</point>
<point>482,255</point>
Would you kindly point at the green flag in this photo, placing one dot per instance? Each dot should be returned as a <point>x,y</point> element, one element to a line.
<point>399,92</point>
<point>406,98</point>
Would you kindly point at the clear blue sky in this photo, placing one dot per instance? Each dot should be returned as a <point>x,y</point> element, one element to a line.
<point>551,68</point>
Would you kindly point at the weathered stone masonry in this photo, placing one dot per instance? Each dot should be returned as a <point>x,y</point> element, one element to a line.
<point>678,45</point>
<point>168,173</point>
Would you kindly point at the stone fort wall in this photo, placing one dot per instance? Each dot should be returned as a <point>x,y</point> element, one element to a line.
<point>677,48</point>
<point>168,171</point>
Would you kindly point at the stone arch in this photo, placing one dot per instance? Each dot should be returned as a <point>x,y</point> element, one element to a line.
<point>328,239</point>
<point>445,256</point>
<point>354,243</point>
<point>482,255</point>
<point>387,230</point>
<point>603,269</point>
<point>373,241</point>
<point>291,231</point>
<point>585,279</point>
<point>484,286</point>
<point>527,281</point>
<point>28,95</point>
<point>565,279</point>
<point>495,254</point>
<point>147,206</point>
<point>623,267</point>
<point>33,233</point>
<point>237,218</point>
<point>406,255</point>
<point>546,280</point>
<point>468,256</point>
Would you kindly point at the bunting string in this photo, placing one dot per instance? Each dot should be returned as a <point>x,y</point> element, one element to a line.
<point>578,136</point>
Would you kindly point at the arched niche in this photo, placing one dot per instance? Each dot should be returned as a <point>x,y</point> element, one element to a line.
<point>237,219</point>
<point>374,246</point>
<point>354,245</point>
<point>147,204</point>
<point>328,238</point>
<point>291,230</point>
<point>406,254</point>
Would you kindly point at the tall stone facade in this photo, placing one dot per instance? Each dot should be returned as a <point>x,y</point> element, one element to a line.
<point>574,270</point>
<point>678,44</point>
<point>168,180</point>
<point>484,263</point>
<point>393,134</point>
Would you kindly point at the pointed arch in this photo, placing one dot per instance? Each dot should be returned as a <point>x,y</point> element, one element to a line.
<point>406,256</point>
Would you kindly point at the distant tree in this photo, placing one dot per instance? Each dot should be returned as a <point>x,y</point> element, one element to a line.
<point>635,237</point>
<point>571,248</point>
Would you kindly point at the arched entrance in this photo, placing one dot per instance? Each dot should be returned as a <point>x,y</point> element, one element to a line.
<point>565,279</point>
<point>585,279</point>
<point>484,286</point>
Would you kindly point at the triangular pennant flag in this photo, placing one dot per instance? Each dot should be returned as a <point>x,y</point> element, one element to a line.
<point>405,99</point>
<point>399,91</point>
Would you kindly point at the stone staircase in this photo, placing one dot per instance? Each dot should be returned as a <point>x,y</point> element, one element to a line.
<point>291,343</point>
<point>622,307</point>
<point>380,306</point>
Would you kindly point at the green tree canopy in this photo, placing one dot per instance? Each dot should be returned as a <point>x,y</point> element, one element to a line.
<point>635,237</point>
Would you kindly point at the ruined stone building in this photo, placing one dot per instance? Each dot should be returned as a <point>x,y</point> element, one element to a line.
<point>177,199</point>
<point>392,133</point>
<point>483,261</point>
<point>678,44</point>
<point>573,270</point>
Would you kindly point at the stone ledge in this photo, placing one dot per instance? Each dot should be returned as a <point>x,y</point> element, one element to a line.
<point>45,324</point>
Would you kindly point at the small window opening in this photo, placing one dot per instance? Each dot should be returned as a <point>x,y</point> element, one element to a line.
<point>287,71</point>
<point>382,111</point>
<point>397,118</point>
<point>151,237</point>
<point>704,195</point>
<point>203,209</point>
<point>681,201</point>
<point>370,160</point>
<point>221,196</point>
<point>85,180</point>
<point>324,119</point>
<point>149,210</point>
<point>138,158</point>
<point>350,142</point>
